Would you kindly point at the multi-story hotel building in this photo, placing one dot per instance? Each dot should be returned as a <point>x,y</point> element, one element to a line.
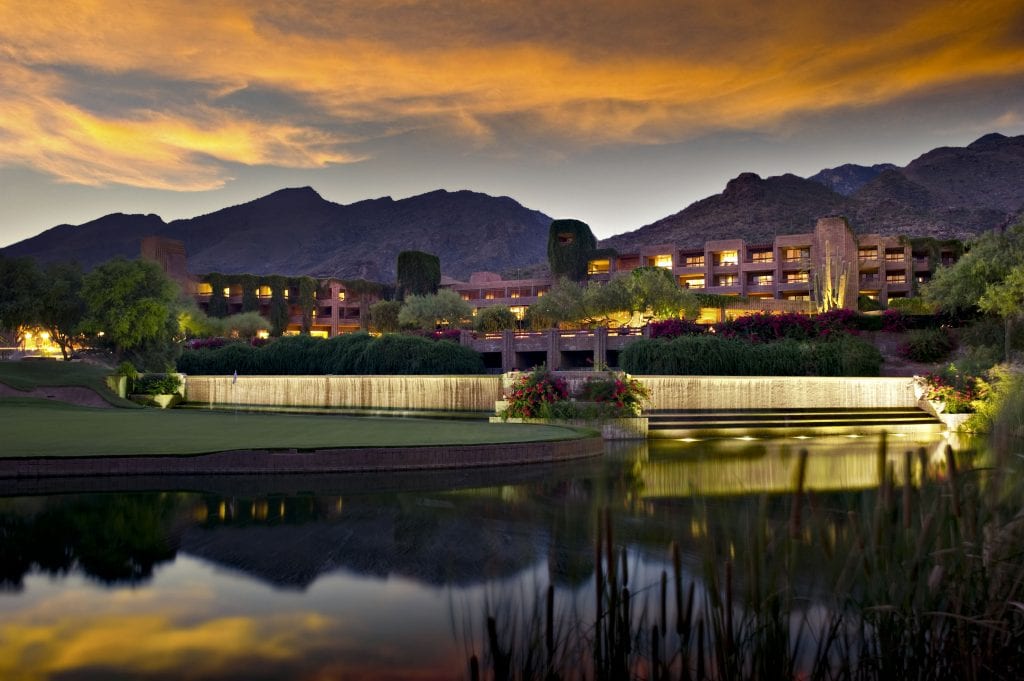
<point>788,274</point>
<point>791,274</point>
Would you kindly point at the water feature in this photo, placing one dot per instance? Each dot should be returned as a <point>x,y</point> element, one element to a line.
<point>381,576</point>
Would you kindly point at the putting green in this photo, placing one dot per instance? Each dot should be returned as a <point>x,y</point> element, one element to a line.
<point>34,427</point>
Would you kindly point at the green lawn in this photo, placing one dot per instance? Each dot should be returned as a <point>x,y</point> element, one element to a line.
<point>35,374</point>
<point>33,427</point>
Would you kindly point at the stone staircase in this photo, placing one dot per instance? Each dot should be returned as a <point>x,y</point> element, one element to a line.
<point>675,424</point>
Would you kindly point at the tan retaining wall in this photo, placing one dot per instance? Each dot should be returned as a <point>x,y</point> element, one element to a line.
<point>777,392</point>
<point>439,393</point>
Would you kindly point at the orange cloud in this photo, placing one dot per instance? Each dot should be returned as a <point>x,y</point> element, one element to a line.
<point>653,73</point>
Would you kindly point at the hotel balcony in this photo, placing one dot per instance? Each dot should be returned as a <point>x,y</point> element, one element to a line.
<point>794,286</point>
<point>724,290</point>
<point>922,265</point>
<point>761,288</point>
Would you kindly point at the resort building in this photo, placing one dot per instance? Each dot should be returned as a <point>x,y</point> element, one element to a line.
<point>792,273</point>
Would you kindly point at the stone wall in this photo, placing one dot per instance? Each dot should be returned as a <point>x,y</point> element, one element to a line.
<point>418,393</point>
<point>777,392</point>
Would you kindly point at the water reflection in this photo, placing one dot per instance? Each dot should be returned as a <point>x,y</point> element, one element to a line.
<point>312,577</point>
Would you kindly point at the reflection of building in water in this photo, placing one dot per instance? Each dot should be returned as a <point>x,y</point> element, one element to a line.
<point>737,467</point>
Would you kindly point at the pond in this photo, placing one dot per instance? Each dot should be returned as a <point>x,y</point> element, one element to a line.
<point>394,576</point>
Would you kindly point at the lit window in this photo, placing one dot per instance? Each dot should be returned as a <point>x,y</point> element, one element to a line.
<point>662,261</point>
<point>795,278</point>
<point>896,278</point>
<point>894,255</point>
<point>489,295</point>
<point>598,266</point>
<point>341,295</point>
<point>761,256</point>
<point>693,282</point>
<point>263,292</point>
<point>795,254</point>
<point>867,253</point>
<point>761,280</point>
<point>694,261</point>
<point>541,292</point>
<point>519,311</point>
<point>725,280</point>
<point>513,294</point>
<point>227,292</point>
<point>204,289</point>
<point>727,258</point>
<point>465,296</point>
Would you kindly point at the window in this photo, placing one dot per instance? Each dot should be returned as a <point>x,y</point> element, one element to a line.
<point>725,258</point>
<point>695,282</point>
<point>694,261</point>
<point>464,296</point>
<point>227,292</point>
<point>541,292</point>
<point>514,294</point>
<point>761,280</point>
<point>795,254</point>
<point>894,255</point>
<point>795,278</point>
<point>489,295</point>
<point>796,296</point>
<point>204,289</point>
<point>662,260</point>
<point>341,295</point>
<point>519,311</point>
<point>725,280</point>
<point>598,266</point>
<point>896,278</point>
<point>870,253</point>
<point>761,256</point>
<point>263,292</point>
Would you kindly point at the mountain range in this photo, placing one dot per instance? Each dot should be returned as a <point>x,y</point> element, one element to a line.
<point>948,192</point>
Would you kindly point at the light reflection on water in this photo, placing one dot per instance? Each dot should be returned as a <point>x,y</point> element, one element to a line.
<point>313,577</point>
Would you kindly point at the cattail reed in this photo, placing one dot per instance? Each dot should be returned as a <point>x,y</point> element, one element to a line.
<point>954,487</point>
<point>798,493</point>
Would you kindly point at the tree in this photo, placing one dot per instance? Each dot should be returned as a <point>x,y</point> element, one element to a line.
<point>603,300</point>
<point>562,303</point>
<point>494,319</point>
<point>384,316</point>
<point>989,277</point>
<point>571,245</point>
<point>364,292</point>
<point>445,308</point>
<point>990,259</point>
<point>134,306</point>
<point>62,307</point>
<point>280,310</point>
<point>244,324</point>
<point>419,273</point>
<point>657,294</point>
<point>21,286</point>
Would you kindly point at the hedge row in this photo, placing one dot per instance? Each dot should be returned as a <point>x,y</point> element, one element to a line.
<point>716,356</point>
<point>356,353</point>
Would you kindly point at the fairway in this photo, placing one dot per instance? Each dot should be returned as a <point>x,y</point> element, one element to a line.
<point>34,427</point>
<point>30,375</point>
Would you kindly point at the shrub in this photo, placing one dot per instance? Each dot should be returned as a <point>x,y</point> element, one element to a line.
<point>494,319</point>
<point>927,345</point>
<point>673,328</point>
<point>957,391</point>
<point>716,356</point>
<point>531,395</point>
<point>620,393</point>
<point>158,384</point>
<point>893,321</point>
<point>357,353</point>
<point>866,304</point>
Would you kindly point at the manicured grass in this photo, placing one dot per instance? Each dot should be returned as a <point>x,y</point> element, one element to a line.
<point>33,427</point>
<point>35,374</point>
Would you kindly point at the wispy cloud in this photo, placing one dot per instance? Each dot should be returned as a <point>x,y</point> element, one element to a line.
<point>651,73</point>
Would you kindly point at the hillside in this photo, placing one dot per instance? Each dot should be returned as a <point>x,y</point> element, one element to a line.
<point>296,231</point>
<point>949,192</point>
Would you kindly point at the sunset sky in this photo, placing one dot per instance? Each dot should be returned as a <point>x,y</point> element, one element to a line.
<point>616,113</point>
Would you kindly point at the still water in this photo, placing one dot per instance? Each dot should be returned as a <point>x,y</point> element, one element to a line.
<point>368,576</point>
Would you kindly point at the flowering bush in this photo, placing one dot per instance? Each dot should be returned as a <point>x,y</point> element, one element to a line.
<point>618,393</point>
<point>764,326</point>
<point>840,320</point>
<point>673,328</point>
<point>893,321</point>
<point>533,395</point>
<point>440,334</point>
<point>956,391</point>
